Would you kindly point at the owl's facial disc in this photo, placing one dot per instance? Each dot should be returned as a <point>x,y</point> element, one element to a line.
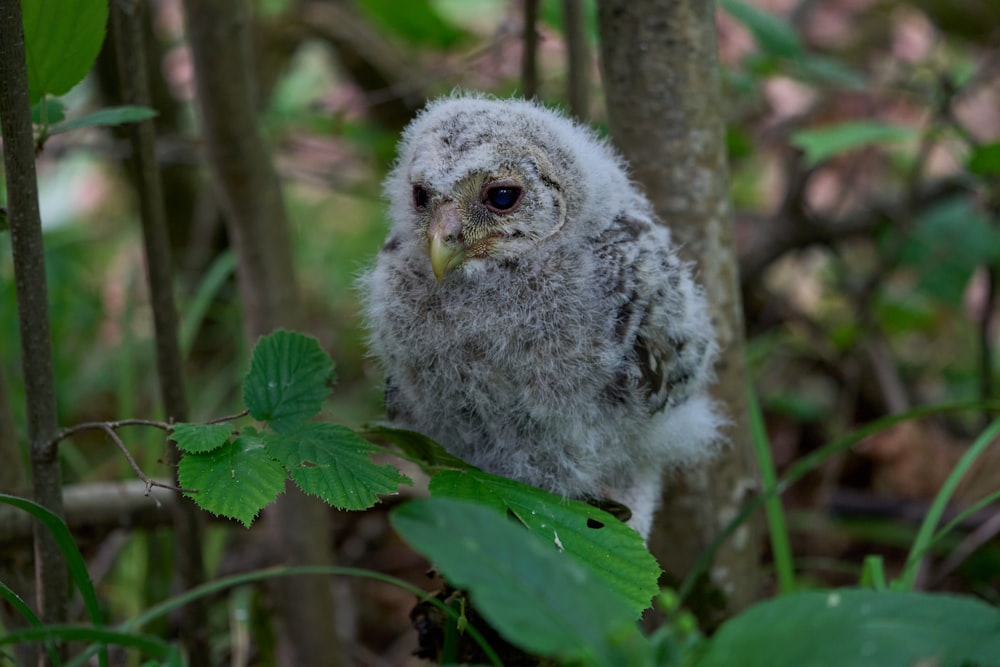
<point>469,225</point>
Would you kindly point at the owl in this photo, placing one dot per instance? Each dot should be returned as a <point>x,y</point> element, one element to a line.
<point>531,313</point>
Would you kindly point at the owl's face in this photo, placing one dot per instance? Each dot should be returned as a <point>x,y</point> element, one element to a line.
<point>478,187</point>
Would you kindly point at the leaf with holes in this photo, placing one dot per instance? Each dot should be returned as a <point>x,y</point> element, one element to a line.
<point>289,378</point>
<point>334,463</point>
<point>200,438</point>
<point>535,596</point>
<point>236,480</point>
<point>612,551</point>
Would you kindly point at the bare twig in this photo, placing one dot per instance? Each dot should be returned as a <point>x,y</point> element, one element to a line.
<point>228,418</point>
<point>150,483</point>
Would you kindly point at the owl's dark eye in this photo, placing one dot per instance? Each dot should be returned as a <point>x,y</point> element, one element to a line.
<point>421,198</point>
<point>502,198</point>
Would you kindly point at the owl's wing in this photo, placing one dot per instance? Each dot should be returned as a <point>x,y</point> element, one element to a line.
<point>661,320</point>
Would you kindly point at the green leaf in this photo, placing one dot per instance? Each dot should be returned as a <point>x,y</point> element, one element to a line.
<point>200,438</point>
<point>334,463</point>
<point>774,35</point>
<point>949,241</point>
<point>417,21</point>
<point>985,160</point>
<point>417,446</point>
<point>535,596</point>
<point>823,143</point>
<point>614,553</point>
<point>236,480</point>
<point>859,628</point>
<point>288,380</point>
<point>812,68</point>
<point>47,111</point>
<point>62,39</point>
<point>108,116</point>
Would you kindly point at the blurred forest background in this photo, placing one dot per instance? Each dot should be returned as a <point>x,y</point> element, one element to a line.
<point>865,175</point>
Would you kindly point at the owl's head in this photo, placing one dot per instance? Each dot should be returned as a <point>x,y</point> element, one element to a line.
<point>482,179</point>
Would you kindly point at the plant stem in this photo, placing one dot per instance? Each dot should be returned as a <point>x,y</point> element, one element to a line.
<point>32,303</point>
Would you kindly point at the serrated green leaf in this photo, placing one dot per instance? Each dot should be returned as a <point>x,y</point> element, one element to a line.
<point>612,551</point>
<point>823,143</point>
<point>103,117</point>
<point>288,380</point>
<point>985,160</point>
<point>334,463</point>
<point>774,36</point>
<point>200,438</point>
<point>535,596</point>
<point>418,446</point>
<point>62,39</point>
<point>859,628</point>
<point>236,480</point>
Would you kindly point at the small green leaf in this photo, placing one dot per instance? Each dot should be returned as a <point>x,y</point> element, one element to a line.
<point>334,463</point>
<point>823,143</point>
<point>102,117</point>
<point>775,36</point>
<point>859,628</point>
<point>47,111</point>
<point>61,39</point>
<point>985,160</point>
<point>200,438</point>
<point>613,552</point>
<point>288,380</point>
<point>236,480</point>
<point>535,596</point>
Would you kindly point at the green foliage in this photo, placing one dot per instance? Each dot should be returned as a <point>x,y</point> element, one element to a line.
<point>589,535</point>
<point>823,143</point>
<point>62,39</point>
<point>533,594</point>
<point>414,20</point>
<point>289,379</point>
<point>104,117</point>
<point>858,628</point>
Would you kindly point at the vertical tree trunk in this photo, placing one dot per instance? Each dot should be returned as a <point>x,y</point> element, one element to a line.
<point>127,22</point>
<point>248,187</point>
<point>662,87</point>
<point>32,305</point>
<point>578,63</point>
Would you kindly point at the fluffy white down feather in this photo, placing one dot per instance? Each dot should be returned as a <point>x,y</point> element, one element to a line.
<point>571,350</point>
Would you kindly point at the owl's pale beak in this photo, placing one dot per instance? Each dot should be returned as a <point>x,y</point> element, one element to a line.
<point>445,242</point>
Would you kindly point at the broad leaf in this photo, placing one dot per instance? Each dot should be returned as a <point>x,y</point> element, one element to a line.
<point>535,596</point>
<point>334,463</point>
<point>859,628</point>
<point>823,143</point>
<point>62,39</point>
<point>200,438</point>
<point>985,160</point>
<point>288,381</point>
<point>103,117</point>
<point>47,112</point>
<point>613,552</point>
<point>236,480</point>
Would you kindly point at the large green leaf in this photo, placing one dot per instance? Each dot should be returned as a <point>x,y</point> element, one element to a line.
<point>774,36</point>
<point>62,39</point>
<point>859,628</point>
<point>825,142</point>
<point>535,596</point>
<point>334,463</point>
<point>236,480</point>
<point>612,551</point>
<point>418,447</point>
<point>289,378</point>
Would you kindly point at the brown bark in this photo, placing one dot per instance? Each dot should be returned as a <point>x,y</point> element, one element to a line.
<point>248,188</point>
<point>529,50</point>
<point>578,56</point>
<point>32,304</point>
<point>662,87</point>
